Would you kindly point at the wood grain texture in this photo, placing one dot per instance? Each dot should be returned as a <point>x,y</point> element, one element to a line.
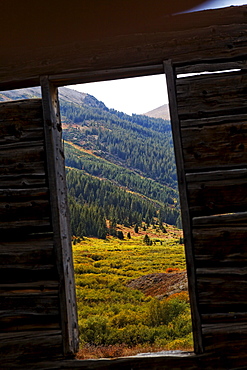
<point>217,197</point>
<point>215,146</point>
<point>23,347</point>
<point>23,180</point>
<point>27,273</point>
<point>223,317</point>
<point>25,113</point>
<point>60,216</point>
<point>22,160</point>
<point>233,119</point>
<point>212,119</point>
<point>196,324</point>
<point>218,290</point>
<point>188,361</point>
<point>220,246</point>
<point>224,337</point>
<point>178,38</point>
<point>211,95</point>
<point>227,220</point>
<point>37,251</point>
<point>29,287</point>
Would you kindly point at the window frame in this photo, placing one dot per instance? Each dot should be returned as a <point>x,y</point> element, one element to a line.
<point>50,86</point>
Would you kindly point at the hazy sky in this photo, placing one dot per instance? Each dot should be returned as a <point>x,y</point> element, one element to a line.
<point>129,95</point>
<point>141,94</point>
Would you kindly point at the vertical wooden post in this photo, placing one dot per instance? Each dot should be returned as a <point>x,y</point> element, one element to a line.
<point>186,220</point>
<point>59,215</point>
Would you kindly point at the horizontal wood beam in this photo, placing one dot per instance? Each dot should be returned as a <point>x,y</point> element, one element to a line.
<point>209,35</point>
<point>184,360</point>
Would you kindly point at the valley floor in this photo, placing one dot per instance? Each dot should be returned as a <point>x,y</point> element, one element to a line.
<point>132,297</point>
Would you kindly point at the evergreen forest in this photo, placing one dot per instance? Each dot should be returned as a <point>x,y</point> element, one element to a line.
<point>120,168</point>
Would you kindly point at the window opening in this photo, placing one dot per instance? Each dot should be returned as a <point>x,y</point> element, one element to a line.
<point>126,227</point>
<point>127,240</point>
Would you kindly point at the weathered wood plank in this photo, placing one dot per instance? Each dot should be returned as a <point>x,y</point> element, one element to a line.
<point>215,197</point>
<point>236,219</point>
<point>164,361</point>
<point>196,324</point>
<point>26,321</point>
<point>20,144</point>
<point>23,180</point>
<point>20,321</point>
<point>20,230</point>
<point>223,145</point>
<point>16,136</point>
<point>211,95</point>
<point>224,317</point>
<point>42,303</point>
<point>220,246</point>
<point>22,160</point>
<point>234,119</point>
<point>27,112</point>
<point>28,210</point>
<point>225,271</point>
<point>217,175</point>
<point>230,338</point>
<point>21,167</point>
<point>22,195</point>
<point>60,216</point>
<point>31,251</point>
<point>217,291</point>
<point>26,346</point>
<point>183,43</point>
<point>27,273</point>
<point>34,287</point>
<point>103,75</point>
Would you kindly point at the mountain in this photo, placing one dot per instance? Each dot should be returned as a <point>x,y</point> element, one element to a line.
<point>160,112</point>
<point>120,168</point>
<point>65,95</point>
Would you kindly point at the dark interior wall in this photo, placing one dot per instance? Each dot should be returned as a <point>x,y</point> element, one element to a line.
<point>33,23</point>
<point>44,39</point>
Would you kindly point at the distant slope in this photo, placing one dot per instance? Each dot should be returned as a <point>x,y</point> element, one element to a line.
<point>65,95</point>
<point>160,112</point>
<point>88,163</point>
<point>130,159</point>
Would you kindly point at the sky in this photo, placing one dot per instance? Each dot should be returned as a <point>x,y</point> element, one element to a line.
<point>141,94</point>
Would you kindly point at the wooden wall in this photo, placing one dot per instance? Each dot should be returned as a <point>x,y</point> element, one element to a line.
<point>37,308</point>
<point>73,56</point>
<point>30,281</point>
<point>210,133</point>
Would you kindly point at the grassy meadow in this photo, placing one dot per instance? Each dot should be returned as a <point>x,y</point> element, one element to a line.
<point>115,320</point>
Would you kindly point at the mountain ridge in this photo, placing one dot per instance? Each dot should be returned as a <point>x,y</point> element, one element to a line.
<point>139,164</point>
<point>159,112</point>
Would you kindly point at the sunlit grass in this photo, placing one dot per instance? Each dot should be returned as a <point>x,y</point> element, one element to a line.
<point>110,313</point>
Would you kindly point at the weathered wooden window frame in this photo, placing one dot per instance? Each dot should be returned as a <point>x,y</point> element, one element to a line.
<point>53,82</point>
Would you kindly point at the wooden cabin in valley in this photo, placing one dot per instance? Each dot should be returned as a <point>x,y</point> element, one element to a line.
<point>204,57</point>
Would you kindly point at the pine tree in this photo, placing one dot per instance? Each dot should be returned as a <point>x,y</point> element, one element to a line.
<point>146,239</point>
<point>120,235</point>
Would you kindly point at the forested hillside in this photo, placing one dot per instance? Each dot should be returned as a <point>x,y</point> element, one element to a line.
<point>120,168</point>
<point>137,142</point>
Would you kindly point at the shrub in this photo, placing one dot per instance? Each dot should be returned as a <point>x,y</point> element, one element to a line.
<point>162,313</point>
<point>95,330</point>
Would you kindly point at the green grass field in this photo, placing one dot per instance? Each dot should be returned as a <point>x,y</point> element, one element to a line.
<point>111,315</point>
